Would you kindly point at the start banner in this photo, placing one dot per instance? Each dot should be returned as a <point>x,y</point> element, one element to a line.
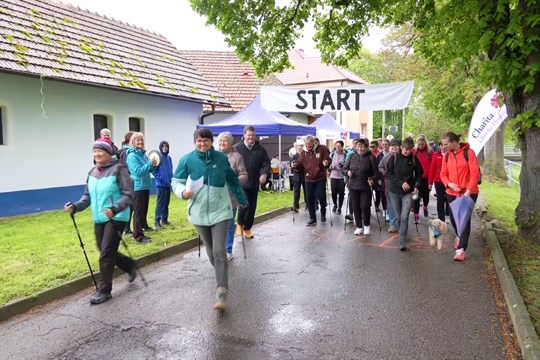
<point>317,100</point>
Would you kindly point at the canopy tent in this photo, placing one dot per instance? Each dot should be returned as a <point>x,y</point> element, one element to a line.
<point>266,123</point>
<point>332,130</point>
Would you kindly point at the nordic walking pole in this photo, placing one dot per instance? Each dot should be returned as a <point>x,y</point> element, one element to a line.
<point>376,213</point>
<point>327,202</point>
<point>138,269</point>
<point>346,210</point>
<point>244,242</point>
<point>84,251</point>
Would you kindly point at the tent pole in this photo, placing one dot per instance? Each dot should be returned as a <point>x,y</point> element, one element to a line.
<point>403,123</point>
<point>280,170</point>
<point>383,123</point>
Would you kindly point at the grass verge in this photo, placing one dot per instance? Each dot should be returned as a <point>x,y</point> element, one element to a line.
<point>41,251</point>
<point>523,256</point>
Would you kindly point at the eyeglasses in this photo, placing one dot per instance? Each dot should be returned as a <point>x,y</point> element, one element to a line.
<point>372,146</point>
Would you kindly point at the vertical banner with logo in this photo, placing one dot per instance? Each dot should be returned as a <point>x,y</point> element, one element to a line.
<point>488,116</point>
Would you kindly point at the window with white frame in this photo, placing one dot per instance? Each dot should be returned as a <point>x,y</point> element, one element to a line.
<point>100,122</point>
<point>135,124</point>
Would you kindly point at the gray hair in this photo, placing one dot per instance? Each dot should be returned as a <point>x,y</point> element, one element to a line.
<point>309,138</point>
<point>103,131</point>
<point>226,136</point>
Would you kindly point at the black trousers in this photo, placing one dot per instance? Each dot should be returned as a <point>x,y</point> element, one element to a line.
<point>464,236</point>
<point>316,192</point>
<point>361,206</point>
<point>301,183</point>
<point>247,215</point>
<point>443,208</point>
<point>338,192</point>
<point>107,241</point>
<point>422,194</point>
<point>140,211</point>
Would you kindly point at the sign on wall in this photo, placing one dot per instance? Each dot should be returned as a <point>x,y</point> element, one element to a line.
<point>340,98</point>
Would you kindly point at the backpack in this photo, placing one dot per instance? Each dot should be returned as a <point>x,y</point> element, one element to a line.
<point>122,157</point>
<point>466,156</point>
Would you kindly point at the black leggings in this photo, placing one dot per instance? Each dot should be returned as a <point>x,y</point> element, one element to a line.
<point>338,192</point>
<point>422,194</point>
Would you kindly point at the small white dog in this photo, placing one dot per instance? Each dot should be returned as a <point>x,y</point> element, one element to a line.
<point>436,230</point>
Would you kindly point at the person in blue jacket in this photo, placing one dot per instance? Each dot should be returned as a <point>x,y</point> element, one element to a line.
<point>139,168</point>
<point>109,193</point>
<point>162,180</point>
<point>204,178</point>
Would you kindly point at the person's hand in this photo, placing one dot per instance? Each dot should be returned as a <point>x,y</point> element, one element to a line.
<point>262,179</point>
<point>406,186</point>
<point>186,194</point>
<point>293,164</point>
<point>108,213</point>
<point>325,162</point>
<point>454,187</point>
<point>430,186</point>
<point>70,208</point>
<point>349,173</point>
<point>467,193</point>
<point>370,182</point>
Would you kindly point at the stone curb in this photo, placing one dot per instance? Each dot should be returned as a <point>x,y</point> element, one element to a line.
<point>525,333</point>
<point>19,306</point>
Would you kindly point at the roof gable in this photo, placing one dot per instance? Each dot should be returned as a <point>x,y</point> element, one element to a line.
<point>311,69</point>
<point>66,43</point>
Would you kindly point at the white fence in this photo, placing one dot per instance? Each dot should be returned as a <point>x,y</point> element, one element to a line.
<point>513,169</point>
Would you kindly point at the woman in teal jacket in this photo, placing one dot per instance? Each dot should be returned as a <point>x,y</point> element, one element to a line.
<point>209,204</point>
<point>139,167</point>
<point>109,193</point>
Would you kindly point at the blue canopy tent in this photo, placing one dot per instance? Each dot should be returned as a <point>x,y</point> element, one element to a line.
<point>331,129</point>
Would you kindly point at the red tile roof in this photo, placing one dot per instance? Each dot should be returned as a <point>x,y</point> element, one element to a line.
<point>59,41</point>
<point>236,81</point>
<point>312,70</point>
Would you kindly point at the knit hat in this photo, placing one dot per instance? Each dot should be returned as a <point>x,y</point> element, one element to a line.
<point>103,144</point>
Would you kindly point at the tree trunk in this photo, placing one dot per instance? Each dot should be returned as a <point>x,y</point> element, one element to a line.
<point>494,154</point>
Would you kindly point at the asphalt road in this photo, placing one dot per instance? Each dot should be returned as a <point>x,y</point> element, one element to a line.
<point>302,293</point>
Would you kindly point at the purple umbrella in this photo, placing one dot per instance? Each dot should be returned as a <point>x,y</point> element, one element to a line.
<point>461,210</point>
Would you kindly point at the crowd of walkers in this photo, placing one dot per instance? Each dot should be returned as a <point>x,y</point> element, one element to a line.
<point>222,185</point>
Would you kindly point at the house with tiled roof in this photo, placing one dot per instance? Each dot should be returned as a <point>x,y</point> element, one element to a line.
<point>66,73</point>
<point>309,71</point>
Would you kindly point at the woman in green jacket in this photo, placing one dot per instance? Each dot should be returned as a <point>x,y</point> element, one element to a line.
<point>204,178</point>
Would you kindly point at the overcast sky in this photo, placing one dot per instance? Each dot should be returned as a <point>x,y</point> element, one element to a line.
<point>175,20</point>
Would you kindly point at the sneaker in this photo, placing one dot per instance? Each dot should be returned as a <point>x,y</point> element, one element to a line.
<point>166,222</point>
<point>349,218</point>
<point>99,297</point>
<point>238,231</point>
<point>392,229</point>
<point>157,226</point>
<point>295,209</point>
<point>311,222</point>
<point>460,255</point>
<point>426,213</point>
<point>338,211</point>
<point>323,218</point>
<point>229,256</point>
<point>417,218</point>
<point>456,243</point>
<point>367,230</point>
<point>133,273</point>
<point>334,209</point>
<point>387,217</point>
<point>144,240</point>
<point>358,231</point>
<point>221,295</point>
<point>248,234</point>
<point>128,232</point>
<point>403,248</point>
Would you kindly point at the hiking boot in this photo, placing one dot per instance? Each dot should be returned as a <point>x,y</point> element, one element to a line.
<point>295,209</point>
<point>248,234</point>
<point>157,226</point>
<point>143,240</point>
<point>456,243</point>
<point>229,256</point>
<point>367,230</point>
<point>417,218</point>
<point>221,295</point>
<point>133,273</point>
<point>334,209</point>
<point>358,231</point>
<point>166,222</point>
<point>311,222</point>
<point>426,213</point>
<point>323,218</point>
<point>460,255</point>
<point>99,297</point>
<point>349,218</point>
<point>238,231</point>
<point>392,229</point>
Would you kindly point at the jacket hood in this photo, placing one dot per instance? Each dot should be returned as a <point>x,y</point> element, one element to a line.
<point>161,147</point>
<point>132,149</point>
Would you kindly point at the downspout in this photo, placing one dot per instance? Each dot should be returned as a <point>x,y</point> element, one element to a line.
<point>201,119</point>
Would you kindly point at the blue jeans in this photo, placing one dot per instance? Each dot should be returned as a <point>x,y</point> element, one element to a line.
<point>391,214</point>
<point>402,205</point>
<point>162,204</point>
<point>230,233</point>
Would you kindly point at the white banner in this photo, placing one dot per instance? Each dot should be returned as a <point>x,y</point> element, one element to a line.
<point>488,116</point>
<point>341,98</point>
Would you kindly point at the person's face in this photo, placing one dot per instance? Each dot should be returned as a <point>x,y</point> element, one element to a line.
<point>372,147</point>
<point>139,143</point>
<point>106,135</point>
<point>309,144</point>
<point>203,144</point>
<point>339,147</point>
<point>394,149</point>
<point>386,146</point>
<point>101,157</point>
<point>249,137</point>
<point>448,145</point>
<point>406,151</point>
<point>421,144</point>
<point>224,145</point>
<point>360,147</point>
<point>165,148</point>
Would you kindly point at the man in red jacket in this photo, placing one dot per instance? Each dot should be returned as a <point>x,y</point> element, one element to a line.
<point>460,176</point>
<point>314,161</point>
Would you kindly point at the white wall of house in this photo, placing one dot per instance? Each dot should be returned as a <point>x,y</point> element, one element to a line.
<point>56,151</point>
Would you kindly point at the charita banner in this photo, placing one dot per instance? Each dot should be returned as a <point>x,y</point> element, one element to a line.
<point>316,100</point>
<point>488,116</point>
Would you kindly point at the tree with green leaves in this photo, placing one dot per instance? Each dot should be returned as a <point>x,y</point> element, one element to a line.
<point>503,34</point>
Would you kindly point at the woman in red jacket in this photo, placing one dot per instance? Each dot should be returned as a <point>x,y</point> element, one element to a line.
<point>424,154</point>
<point>435,179</point>
<point>460,176</point>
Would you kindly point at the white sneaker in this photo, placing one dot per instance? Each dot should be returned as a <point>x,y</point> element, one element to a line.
<point>229,256</point>
<point>358,231</point>
<point>367,230</point>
